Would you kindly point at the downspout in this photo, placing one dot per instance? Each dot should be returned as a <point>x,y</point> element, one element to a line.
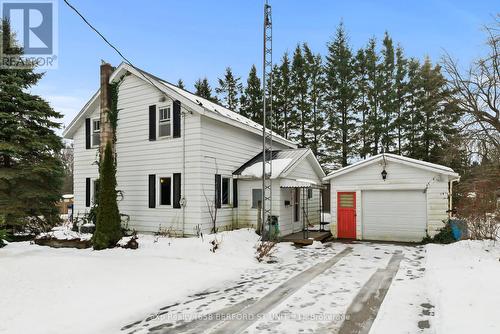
<point>183,172</point>
<point>450,201</point>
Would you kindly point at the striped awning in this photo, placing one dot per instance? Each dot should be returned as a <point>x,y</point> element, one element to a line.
<point>300,183</point>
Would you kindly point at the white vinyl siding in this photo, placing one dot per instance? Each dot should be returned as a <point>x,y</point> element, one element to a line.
<point>400,177</point>
<point>211,147</point>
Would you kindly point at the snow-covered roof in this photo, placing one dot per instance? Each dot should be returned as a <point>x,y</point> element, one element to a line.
<point>283,161</point>
<point>188,100</point>
<point>395,158</point>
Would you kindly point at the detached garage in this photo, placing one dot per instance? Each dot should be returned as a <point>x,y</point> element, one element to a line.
<point>390,197</point>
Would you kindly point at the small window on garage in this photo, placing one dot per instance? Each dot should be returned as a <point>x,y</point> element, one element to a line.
<point>309,193</point>
<point>346,200</point>
<point>256,198</point>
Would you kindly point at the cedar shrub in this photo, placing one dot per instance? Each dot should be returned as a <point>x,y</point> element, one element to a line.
<point>108,226</point>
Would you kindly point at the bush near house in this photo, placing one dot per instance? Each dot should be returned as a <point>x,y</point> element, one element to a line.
<point>3,237</point>
<point>445,236</point>
<point>108,228</point>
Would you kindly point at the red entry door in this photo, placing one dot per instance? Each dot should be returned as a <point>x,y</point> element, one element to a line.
<point>346,215</point>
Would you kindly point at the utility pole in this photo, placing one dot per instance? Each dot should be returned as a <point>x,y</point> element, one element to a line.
<point>267,121</point>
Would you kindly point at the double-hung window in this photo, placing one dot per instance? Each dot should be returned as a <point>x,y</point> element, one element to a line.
<point>96,132</point>
<point>165,121</point>
<point>165,191</point>
<point>225,190</point>
<point>256,198</point>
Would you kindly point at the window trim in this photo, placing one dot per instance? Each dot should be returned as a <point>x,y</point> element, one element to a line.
<point>93,131</point>
<point>158,191</point>
<point>158,122</point>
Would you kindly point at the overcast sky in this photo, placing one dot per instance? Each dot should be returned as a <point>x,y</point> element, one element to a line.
<point>190,39</point>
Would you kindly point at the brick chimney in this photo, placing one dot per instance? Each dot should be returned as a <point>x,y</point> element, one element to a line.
<point>105,105</point>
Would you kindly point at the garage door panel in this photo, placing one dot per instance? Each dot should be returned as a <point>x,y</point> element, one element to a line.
<point>394,215</point>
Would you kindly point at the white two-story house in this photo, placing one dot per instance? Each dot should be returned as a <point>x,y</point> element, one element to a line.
<point>180,155</point>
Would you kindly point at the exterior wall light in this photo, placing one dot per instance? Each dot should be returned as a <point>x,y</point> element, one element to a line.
<point>384,174</point>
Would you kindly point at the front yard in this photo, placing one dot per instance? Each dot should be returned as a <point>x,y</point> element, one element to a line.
<point>169,283</point>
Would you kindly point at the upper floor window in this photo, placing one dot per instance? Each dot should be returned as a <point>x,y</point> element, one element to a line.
<point>164,122</point>
<point>96,132</point>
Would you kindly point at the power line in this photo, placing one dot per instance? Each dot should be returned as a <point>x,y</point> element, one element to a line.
<point>97,31</point>
<point>109,43</point>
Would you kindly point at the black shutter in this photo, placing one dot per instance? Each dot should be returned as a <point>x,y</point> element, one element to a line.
<point>152,190</point>
<point>177,191</point>
<point>152,122</point>
<point>87,192</point>
<point>235,193</point>
<point>177,119</point>
<point>87,133</point>
<point>218,180</point>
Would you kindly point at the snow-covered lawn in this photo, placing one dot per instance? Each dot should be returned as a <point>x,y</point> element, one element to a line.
<point>46,290</point>
<point>451,289</point>
<point>459,292</point>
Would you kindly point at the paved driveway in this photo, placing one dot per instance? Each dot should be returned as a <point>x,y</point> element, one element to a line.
<point>329,288</point>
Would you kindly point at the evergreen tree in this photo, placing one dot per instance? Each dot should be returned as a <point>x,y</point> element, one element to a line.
<point>400,89</point>
<point>108,227</point>
<point>180,84</point>
<point>251,98</point>
<point>340,95</point>
<point>387,103</point>
<point>361,104</point>
<point>31,172</point>
<point>439,119</point>
<point>203,89</point>
<point>283,98</point>
<point>315,83</point>
<point>374,92</point>
<point>299,88</point>
<point>230,89</point>
<point>411,113</point>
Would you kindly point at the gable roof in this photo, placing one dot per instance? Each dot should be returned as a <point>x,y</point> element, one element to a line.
<point>283,162</point>
<point>394,158</point>
<point>188,100</point>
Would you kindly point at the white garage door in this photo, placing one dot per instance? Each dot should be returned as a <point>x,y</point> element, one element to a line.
<point>396,215</point>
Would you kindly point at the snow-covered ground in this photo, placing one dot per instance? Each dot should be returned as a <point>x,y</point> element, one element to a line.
<point>457,291</point>
<point>46,290</point>
<point>450,289</point>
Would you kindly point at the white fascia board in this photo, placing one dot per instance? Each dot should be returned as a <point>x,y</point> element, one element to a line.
<point>70,130</point>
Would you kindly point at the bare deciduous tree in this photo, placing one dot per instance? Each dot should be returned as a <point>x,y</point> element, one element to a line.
<point>477,90</point>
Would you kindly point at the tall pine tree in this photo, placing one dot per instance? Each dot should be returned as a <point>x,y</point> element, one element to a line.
<point>374,96</point>
<point>315,84</point>
<point>400,89</point>
<point>31,173</point>
<point>340,95</point>
<point>387,103</point>
<point>361,104</point>
<point>300,103</point>
<point>251,98</point>
<point>203,89</point>
<point>229,89</point>
<point>283,98</point>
